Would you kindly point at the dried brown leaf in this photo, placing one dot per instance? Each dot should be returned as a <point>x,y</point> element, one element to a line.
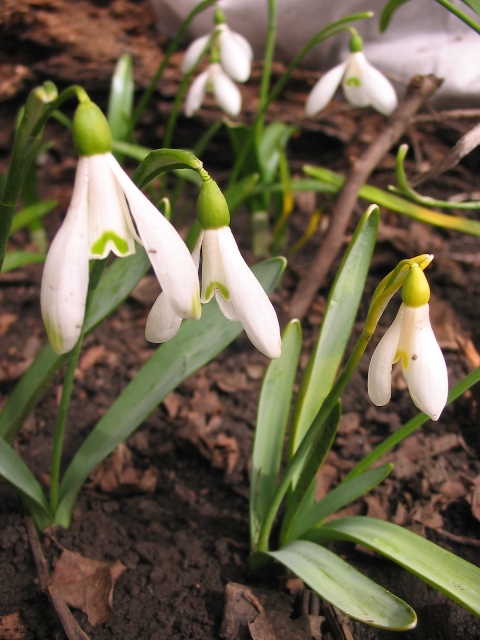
<point>87,584</point>
<point>11,628</point>
<point>92,356</point>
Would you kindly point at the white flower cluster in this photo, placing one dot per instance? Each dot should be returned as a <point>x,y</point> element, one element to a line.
<point>233,65</point>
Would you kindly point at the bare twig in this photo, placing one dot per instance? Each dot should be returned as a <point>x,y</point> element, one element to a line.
<point>420,88</point>
<point>70,625</point>
<point>463,147</point>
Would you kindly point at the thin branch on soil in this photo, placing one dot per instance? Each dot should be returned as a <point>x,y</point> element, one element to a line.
<point>420,88</point>
<point>70,625</point>
<point>451,114</point>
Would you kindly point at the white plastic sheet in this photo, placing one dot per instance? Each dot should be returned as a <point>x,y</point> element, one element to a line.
<point>423,38</point>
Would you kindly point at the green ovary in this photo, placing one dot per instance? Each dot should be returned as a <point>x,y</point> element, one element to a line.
<point>99,246</point>
<point>224,292</point>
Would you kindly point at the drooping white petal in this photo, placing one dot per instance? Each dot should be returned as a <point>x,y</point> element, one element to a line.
<point>424,369</point>
<point>226,92</point>
<point>162,322</point>
<point>109,226</point>
<point>235,54</point>
<point>324,90</point>
<point>252,305</point>
<point>381,94</point>
<point>353,83</point>
<point>196,93</point>
<point>193,53</point>
<point>65,275</point>
<point>170,258</point>
<point>380,369</point>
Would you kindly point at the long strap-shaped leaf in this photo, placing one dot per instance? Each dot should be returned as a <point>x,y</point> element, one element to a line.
<point>336,499</point>
<point>272,417</point>
<point>16,472</point>
<point>194,345</point>
<point>342,307</point>
<point>453,576</point>
<point>304,491</point>
<point>345,587</point>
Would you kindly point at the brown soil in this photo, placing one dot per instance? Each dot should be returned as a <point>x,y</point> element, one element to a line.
<point>173,507</point>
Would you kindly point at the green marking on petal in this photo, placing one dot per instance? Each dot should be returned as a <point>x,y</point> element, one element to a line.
<point>401,355</point>
<point>224,292</point>
<point>99,246</point>
<point>353,82</point>
<point>54,335</point>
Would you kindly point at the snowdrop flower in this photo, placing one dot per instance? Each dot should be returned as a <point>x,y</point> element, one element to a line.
<point>226,276</point>
<point>224,89</point>
<point>235,52</point>
<point>230,59</point>
<point>108,213</point>
<point>362,84</point>
<point>411,340</point>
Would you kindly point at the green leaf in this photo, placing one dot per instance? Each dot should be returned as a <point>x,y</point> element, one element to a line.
<point>399,205</point>
<point>341,309</point>
<point>16,259</point>
<point>162,160</point>
<point>387,13</point>
<point>120,100</point>
<point>274,139</point>
<point>336,499</point>
<point>114,287</point>
<point>473,4</point>
<point>29,214</point>
<point>131,150</point>
<point>240,191</point>
<point>446,572</point>
<point>195,344</point>
<point>302,496</point>
<point>346,588</point>
<point>16,472</point>
<point>272,417</point>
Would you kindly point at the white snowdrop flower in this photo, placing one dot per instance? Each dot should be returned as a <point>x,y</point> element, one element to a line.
<point>410,340</point>
<point>214,79</point>
<point>235,54</point>
<point>362,84</point>
<point>193,53</point>
<point>108,213</point>
<point>225,275</point>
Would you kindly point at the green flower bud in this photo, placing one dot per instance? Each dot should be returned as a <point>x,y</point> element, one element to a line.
<point>415,290</point>
<point>356,43</point>
<point>212,208</point>
<point>219,16</point>
<point>91,133</point>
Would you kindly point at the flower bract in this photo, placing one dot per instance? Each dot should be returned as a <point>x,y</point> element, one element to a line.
<point>411,340</point>
<point>240,296</point>
<point>226,92</point>
<point>108,213</point>
<point>363,85</point>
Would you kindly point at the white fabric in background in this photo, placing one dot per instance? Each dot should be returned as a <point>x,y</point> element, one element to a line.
<point>423,37</point>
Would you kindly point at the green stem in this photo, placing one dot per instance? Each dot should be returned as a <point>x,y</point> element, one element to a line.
<point>412,425</point>
<point>462,16</point>
<point>96,271</point>
<point>174,45</point>
<point>267,64</point>
<point>331,30</point>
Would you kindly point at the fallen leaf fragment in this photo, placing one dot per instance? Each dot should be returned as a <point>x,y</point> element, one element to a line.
<point>87,584</point>
<point>117,474</point>
<point>11,628</point>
